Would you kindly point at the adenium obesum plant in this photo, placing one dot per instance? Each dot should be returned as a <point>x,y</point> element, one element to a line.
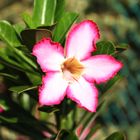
<point>73,71</point>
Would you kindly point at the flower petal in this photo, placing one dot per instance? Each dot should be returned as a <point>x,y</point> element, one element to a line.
<point>101,68</point>
<point>81,40</point>
<point>83,93</point>
<point>49,55</point>
<point>53,89</point>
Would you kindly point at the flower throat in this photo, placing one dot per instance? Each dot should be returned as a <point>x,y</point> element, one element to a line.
<point>72,69</point>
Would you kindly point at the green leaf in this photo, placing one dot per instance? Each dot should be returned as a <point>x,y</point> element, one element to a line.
<point>35,78</point>
<point>1,66</point>
<point>121,47</point>
<point>18,28</point>
<point>116,136</point>
<point>111,82</point>
<point>16,60</point>
<point>5,58</point>
<point>25,50</point>
<point>65,135</point>
<point>105,47</point>
<point>63,26</point>
<point>25,59</point>
<point>44,12</point>
<point>12,64</point>
<point>21,89</point>
<point>72,136</point>
<point>48,109</point>
<point>13,77</point>
<point>105,87</point>
<point>60,9</point>
<point>9,120</point>
<point>8,34</point>
<point>4,105</point>
<point>27,19</point>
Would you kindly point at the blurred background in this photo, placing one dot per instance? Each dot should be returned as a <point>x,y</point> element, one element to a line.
<point>119,22</point>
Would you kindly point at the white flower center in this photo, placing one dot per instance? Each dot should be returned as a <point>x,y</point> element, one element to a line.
<point>72,69</point>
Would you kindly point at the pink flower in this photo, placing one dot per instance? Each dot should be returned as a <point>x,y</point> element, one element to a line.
<point>73,71</point>
<point>1,109</point>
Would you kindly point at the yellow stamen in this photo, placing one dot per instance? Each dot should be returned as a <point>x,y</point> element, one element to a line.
<point>73,67</point>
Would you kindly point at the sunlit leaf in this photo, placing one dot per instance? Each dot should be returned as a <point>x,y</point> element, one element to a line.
<point>8,34</point>
<point>60,9</point>
<point>63,26</point>
<point>44,12</point>
<point>116,136</point>
<point>18,28</point>
<point>27,19</point>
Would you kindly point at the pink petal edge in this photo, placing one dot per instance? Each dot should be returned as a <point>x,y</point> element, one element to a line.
<point>49,54</point>
<point>101,68</point>
<point>53,89</point>
<point>84,94</point>
<point>81,40</point>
